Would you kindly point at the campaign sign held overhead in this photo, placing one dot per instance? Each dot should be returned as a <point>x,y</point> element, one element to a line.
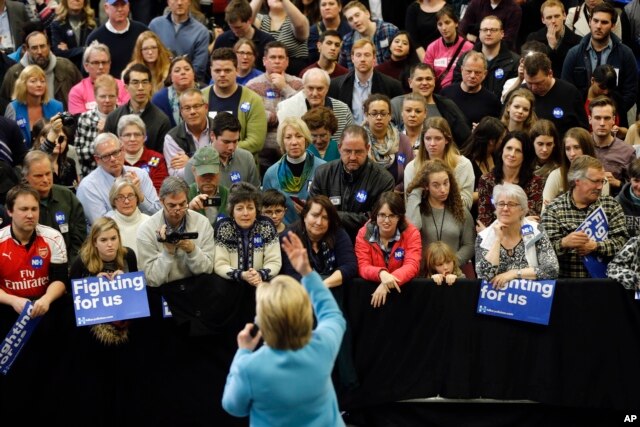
<point>100,300</point>
<point>522,299</point>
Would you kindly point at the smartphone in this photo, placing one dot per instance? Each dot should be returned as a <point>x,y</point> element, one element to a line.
<point>298,200</point>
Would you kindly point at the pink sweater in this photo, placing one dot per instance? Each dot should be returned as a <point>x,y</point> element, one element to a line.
<point>438,56</point>
<point>82,99</point>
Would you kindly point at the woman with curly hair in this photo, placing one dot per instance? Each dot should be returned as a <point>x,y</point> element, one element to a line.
<point>150,51</point>
<point>518,111</point>
<point>435,207</point>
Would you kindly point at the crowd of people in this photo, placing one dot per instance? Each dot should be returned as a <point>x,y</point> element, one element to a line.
<point>453,143</point>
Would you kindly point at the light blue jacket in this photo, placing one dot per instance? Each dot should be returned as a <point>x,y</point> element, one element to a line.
<point>286,387</point>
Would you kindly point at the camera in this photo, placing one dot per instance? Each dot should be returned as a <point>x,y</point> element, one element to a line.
<point>212,201</point>
<point>67,118</point>
<point>175,236</point>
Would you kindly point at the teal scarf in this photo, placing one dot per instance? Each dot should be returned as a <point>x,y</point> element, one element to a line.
<point>290,183</point>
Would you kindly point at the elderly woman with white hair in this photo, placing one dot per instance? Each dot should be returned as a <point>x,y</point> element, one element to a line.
<point>132,133</point>
<point>513,247</point>
<point>124,198</point>
<point>293,173</point>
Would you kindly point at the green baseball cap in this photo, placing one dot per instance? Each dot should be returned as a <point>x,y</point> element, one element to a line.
<point>206,160</point>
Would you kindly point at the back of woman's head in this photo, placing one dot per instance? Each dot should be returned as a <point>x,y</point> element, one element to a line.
<point>606,77</point>
<point>488,129</point>
<point>284,313</point>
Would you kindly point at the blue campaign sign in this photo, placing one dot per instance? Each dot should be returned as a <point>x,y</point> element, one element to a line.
<point>525,300</point>
<point>100,300</point>
<point>17,337</point>
<point>596,227</point>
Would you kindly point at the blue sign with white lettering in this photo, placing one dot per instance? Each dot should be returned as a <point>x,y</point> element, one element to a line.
<point>596,227</point>
<point>17,337</point>
<point>101,300</point>
<point>257,241</point>
<point>235,176</point>
<point>399,254</point>
<point>522,299</point>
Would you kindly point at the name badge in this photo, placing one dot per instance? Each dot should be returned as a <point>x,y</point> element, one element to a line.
<point>399,254</point>
<point>441,62</point>
<point>361,196</point>
<point>384,43</point>
<point>235,176</point>
<point>257,241</point>
<point>335,200</point>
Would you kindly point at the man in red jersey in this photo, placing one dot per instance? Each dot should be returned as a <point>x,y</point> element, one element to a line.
<point>33,257</point>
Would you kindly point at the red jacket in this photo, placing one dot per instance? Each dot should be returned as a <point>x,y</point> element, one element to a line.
<point>404,262</point>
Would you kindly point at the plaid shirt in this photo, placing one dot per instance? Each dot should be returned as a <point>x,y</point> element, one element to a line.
<point>562,217</point>
<point>381,39</point>
<point>86,132</point>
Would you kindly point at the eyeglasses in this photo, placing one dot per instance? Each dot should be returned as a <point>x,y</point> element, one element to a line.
<point>132,135</point>
<point>136,83</point>
<point>189,108</point>
<point>489,30</point>
<point>597,181</point>
<point>176,206</point>
<point>129,198</point>
<point>378,114</point>
<point>240,53</point>
<point>509,205</point>
<point>99,63</point>
<point>383,217</point>
<point>114,154</point>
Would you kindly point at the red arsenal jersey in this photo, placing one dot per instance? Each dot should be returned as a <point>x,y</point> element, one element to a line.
<point>25,272</point>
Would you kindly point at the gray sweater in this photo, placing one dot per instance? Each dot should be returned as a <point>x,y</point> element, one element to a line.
<point>460,237</point>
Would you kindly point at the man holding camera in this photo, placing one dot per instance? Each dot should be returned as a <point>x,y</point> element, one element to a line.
<point>207,196</point>
<point>177,242</point>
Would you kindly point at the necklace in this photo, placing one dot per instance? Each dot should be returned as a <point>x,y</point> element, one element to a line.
<point>511,252</point>
<point>433,218</point>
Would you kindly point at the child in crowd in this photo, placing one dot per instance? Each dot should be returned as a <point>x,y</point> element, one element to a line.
<point>442,264</point>
<point>274,207</point>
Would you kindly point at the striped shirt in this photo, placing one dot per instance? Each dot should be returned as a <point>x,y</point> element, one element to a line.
<point>295,48</point>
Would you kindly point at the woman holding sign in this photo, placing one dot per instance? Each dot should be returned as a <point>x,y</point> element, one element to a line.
<point>513,247</point>
<point>103,255</point>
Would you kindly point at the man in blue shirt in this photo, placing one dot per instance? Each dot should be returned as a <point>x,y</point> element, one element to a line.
<point>184,35</point>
